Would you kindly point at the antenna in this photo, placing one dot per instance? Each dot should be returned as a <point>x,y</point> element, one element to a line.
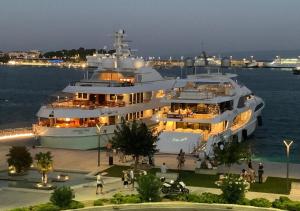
<point>202,45</point>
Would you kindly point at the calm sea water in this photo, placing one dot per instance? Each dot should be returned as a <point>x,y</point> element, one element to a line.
<point>24,89</point>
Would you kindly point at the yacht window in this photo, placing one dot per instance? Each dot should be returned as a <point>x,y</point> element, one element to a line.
<point>79,95</point>
<point>112,97</point>
<point>84,95</point>
<point>112,120</point>
<point>258,106</point>
<point>142,113</point>
<point>130,98</point>
<point>138,95</point>
<point>241,102</point>
<point>120,97</point>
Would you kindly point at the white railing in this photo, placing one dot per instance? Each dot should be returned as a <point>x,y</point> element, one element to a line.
<point>16,132</point>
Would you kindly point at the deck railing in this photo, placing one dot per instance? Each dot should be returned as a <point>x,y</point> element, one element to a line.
<point>15,132</point>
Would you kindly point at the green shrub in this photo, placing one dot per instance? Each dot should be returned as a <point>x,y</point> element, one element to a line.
<point>118,198</point>
<point>260,202</point>
<point>293,206</point>
<point>149,187</point>
<point>243,201</point>
<point>203,198</point>
<point>192,198</point>
<point>99,202</point>
<point>75,205</point>
<point>62,197</point>
<point>21,209</point>
<point>281,203</point>
<point>46,207</point>
<point>233,188</point>
<point>179,197</point>
<point>132,199</point>
<point>211,198</point>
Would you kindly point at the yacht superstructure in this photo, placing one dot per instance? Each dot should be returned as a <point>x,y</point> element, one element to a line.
<point>122,87</point>
<point>209,108</point>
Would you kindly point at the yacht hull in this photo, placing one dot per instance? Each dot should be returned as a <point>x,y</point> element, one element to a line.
<point>76,138</point>
<point>74,142</point>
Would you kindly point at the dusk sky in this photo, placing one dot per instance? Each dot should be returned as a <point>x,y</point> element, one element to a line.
<point>156,27</point>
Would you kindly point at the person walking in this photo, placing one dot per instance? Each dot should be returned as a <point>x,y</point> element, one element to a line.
<point>99,183</point>
<point>251,173</point>
<point>125,180</point>
<point>260,173</point>
<point>182,159</point>
<point>163,168</point>
<point>131,175</point>
<point>179,161</point>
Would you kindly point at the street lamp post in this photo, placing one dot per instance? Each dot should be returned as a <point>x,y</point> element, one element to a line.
<point>99,134</point>
<point>288,144</point>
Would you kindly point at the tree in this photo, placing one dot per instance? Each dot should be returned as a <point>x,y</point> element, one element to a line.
<point>4,59</point>
<point>149,187</point>
<point>44,164</point>
<point>20,158</point>
<point>231,152</point>
<point>134,139</point>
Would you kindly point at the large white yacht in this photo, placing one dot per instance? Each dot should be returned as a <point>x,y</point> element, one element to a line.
<point>279,62</point>
<point>208,109</point>
<point>123,86</point>
<point>95,60</point>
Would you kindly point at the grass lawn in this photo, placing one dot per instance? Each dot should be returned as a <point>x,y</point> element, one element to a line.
<point>272,184</point>
<point>115,171</point>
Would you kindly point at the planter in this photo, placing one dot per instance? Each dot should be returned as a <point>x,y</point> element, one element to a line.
<point>15,174</point>
<point>42,186</point>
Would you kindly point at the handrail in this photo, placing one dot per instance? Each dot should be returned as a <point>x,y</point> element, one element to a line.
<point>14,131</point>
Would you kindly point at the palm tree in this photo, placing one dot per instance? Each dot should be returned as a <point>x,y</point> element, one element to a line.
<point>44,164</point>
<point>134,139</point>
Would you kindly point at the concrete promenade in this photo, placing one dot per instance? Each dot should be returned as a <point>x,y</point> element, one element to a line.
<point>87,161</point>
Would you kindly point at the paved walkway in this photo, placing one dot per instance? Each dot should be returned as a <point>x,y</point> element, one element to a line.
<point>18,198</point>
<point>87,161</point>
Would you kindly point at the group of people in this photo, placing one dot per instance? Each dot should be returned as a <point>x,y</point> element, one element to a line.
<point>180,159</point>
<point>250,175</point>
<point>128,178</point>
